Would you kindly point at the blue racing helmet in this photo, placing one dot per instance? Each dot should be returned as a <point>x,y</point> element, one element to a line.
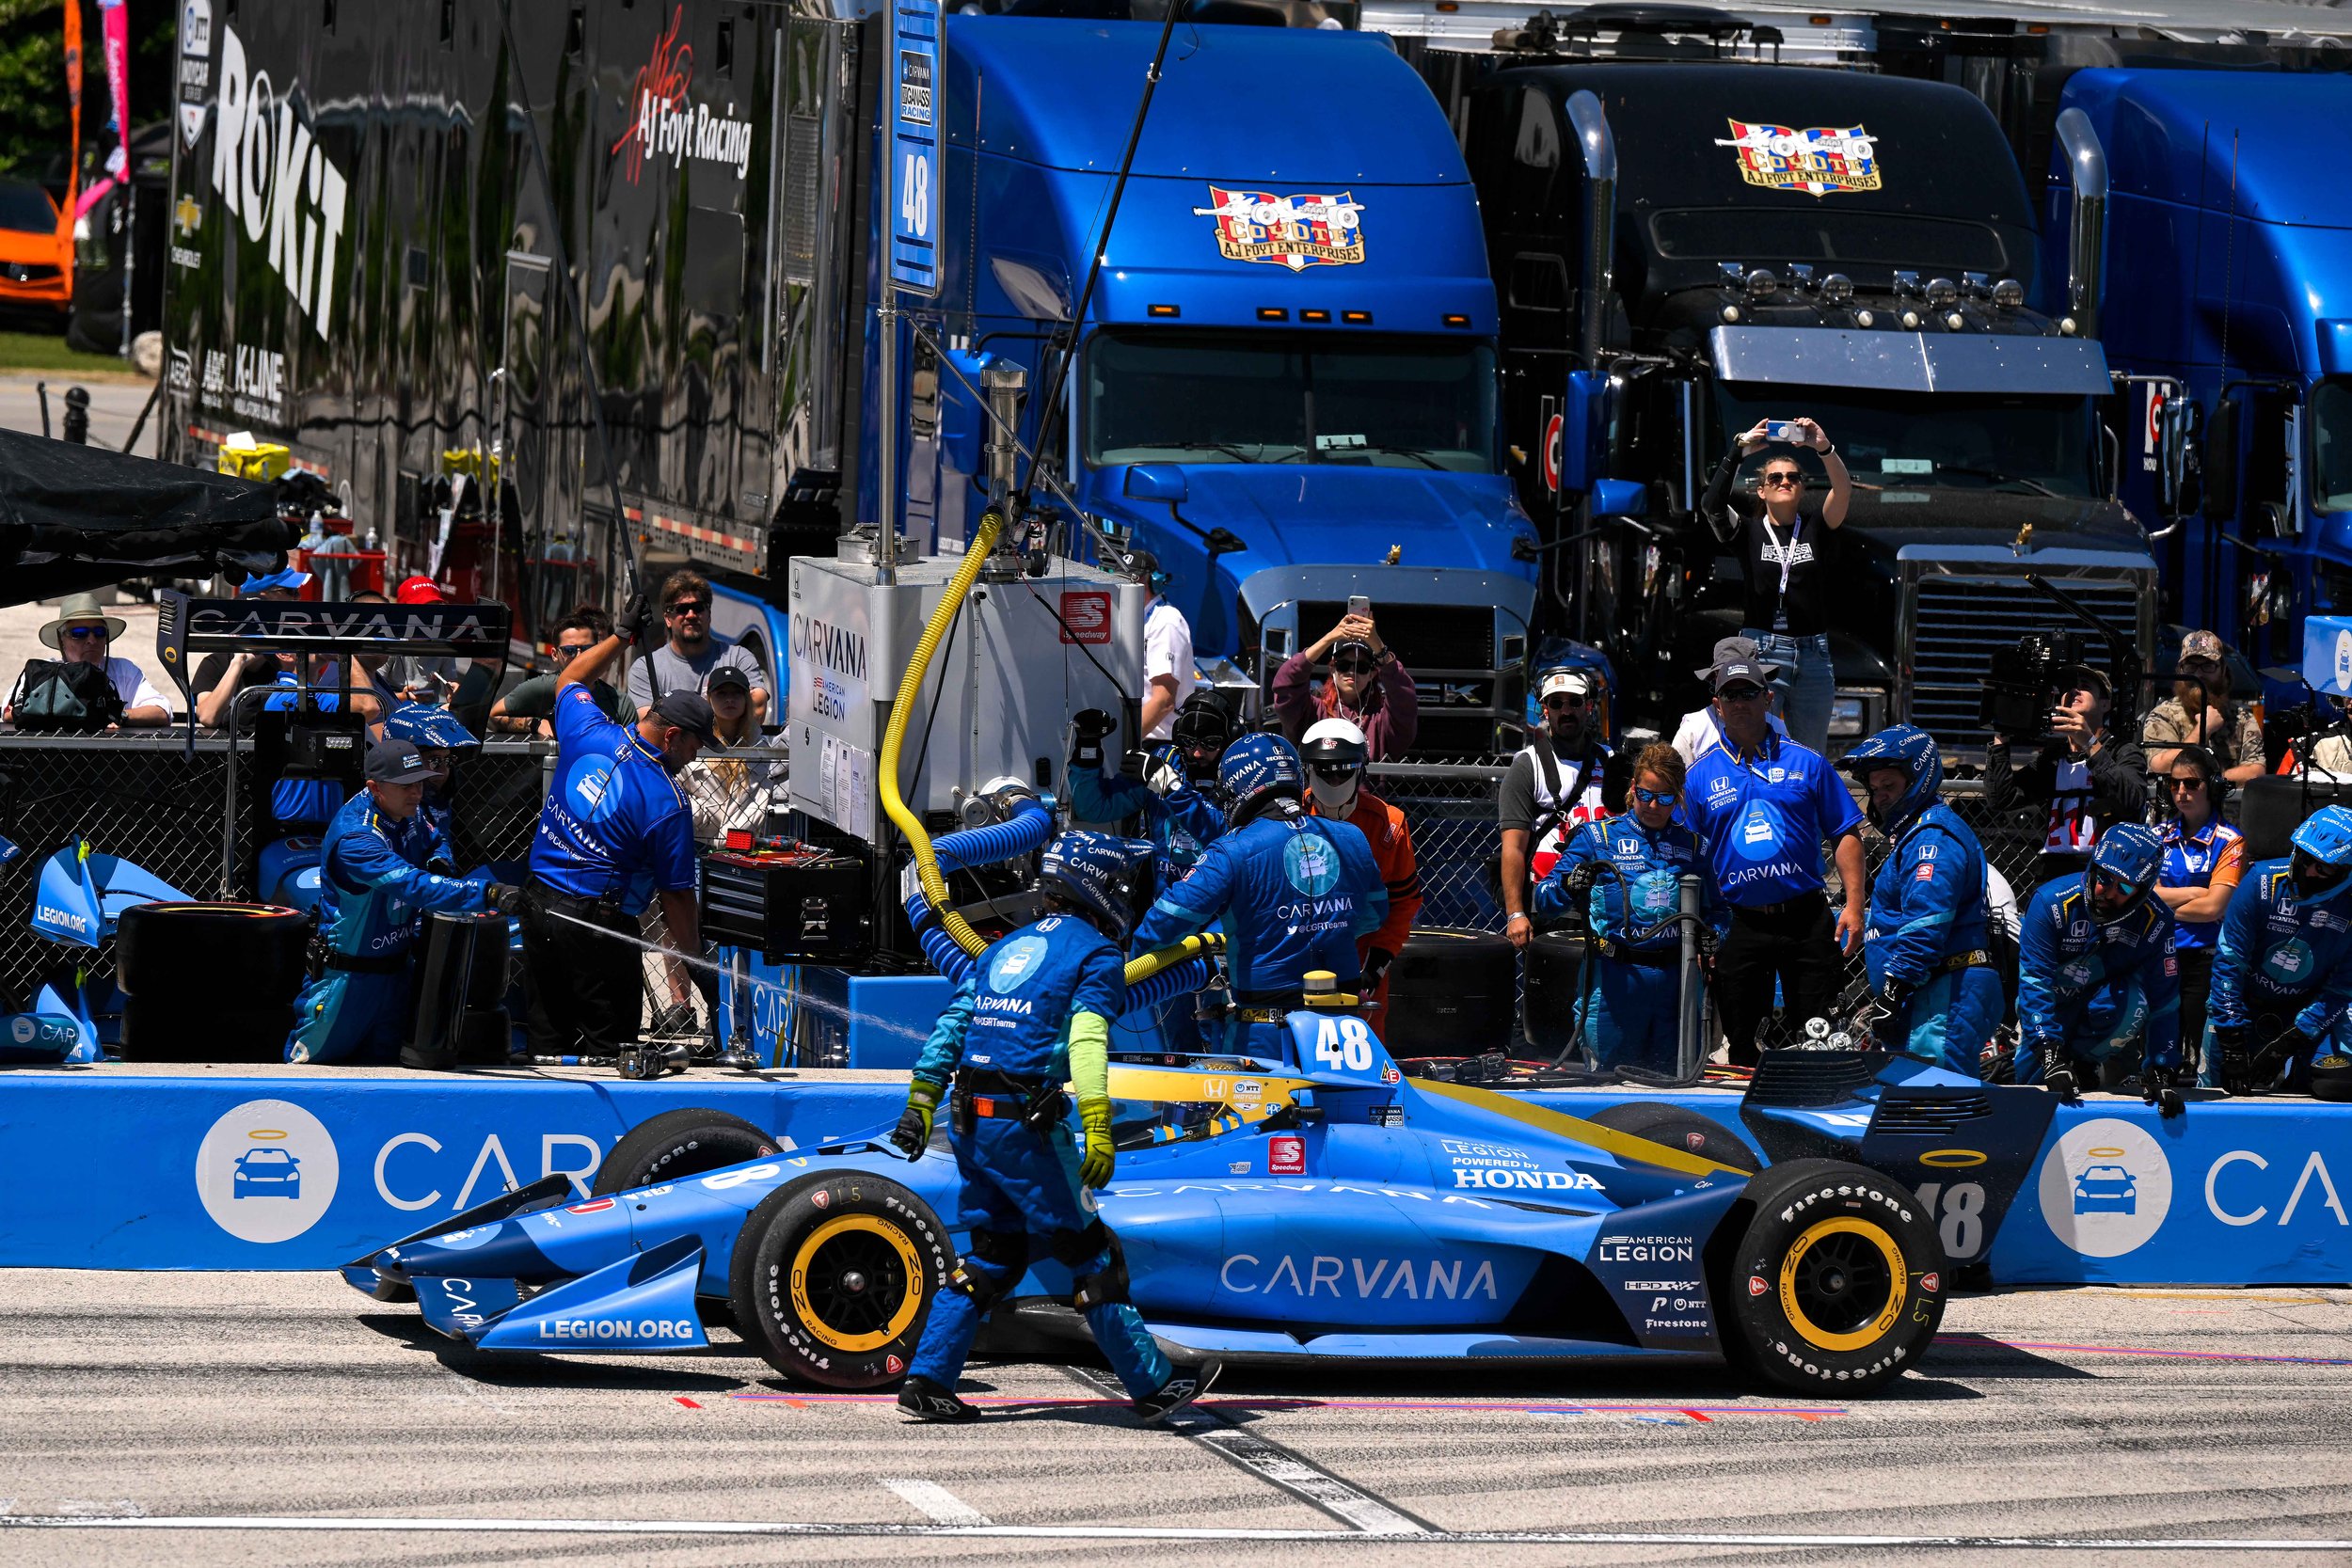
<point>1257,770</point>
<point>2130,856</point>
<point>1910,750</point>
<point>422,724</point>
<point>1109,877</point>
<point>2323,854</point>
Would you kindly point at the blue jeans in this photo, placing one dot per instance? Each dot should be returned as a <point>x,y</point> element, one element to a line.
<point>1808,683</point>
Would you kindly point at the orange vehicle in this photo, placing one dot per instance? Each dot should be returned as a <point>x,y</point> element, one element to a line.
<point>36,249</point>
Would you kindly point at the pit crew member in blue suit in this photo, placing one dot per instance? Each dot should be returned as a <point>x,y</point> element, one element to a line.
<point>436,734</point>
<point>2096,973</point>
<point>1925,947</point>
<point>2283,972</point>
<point>372,885</point>
<point>1171,791</point>
<point>1630,1012</point>
<point>1037,1010</point>
<point>1293,892</point>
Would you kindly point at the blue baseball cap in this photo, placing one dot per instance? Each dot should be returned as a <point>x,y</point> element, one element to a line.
<point>422,724</point>
<point>289,579</point>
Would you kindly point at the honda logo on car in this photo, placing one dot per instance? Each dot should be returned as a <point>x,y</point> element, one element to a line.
<point>607,1328</point>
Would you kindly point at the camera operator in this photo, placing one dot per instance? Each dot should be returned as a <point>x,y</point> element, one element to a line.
<point>2086,777</point>
<point>2199,713</point>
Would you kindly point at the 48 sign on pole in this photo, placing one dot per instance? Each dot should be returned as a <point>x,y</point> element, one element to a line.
<point>915,147</point>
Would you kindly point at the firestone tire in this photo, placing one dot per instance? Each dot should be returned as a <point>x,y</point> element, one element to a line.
<point>1837,1282</point>
<point>186,950</point>
<point>834,1276</point>
<point>1678,1127</point>
<point>691,1141</point>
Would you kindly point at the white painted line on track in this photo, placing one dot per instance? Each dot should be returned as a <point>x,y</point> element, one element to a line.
<point>374,1525</point>
<point>936,1503</point>
<point>1270,1462</point>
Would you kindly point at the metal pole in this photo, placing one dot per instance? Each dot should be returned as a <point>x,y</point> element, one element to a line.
<point>1688,1055</point>
<point>886,498</point>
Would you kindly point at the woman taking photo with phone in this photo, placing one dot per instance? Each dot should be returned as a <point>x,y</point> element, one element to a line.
<point>1785,551</point>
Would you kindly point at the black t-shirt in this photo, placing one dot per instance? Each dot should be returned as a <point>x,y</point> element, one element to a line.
<point>257,671</point>
<point>1799,556</point>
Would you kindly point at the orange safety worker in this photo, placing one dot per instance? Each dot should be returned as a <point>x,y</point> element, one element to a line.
<point>1335,752</point>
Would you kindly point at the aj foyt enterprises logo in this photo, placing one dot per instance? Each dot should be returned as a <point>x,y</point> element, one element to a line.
<point>664,124</point>
<point>1294,232</point>
<point>271,172</point>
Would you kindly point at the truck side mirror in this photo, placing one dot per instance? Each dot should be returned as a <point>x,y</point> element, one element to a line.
<point>1580,414</point>
<point>1619,497</point>
<point>2220,465</point>
<point>2176,415</point>
<point>1157,481</point>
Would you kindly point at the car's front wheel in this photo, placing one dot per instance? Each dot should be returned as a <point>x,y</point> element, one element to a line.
<point>1838,1281</point>
<point>833,1277</point>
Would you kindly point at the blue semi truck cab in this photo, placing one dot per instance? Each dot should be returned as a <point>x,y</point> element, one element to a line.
<point>2228,300</point>
<point>1285,383</point>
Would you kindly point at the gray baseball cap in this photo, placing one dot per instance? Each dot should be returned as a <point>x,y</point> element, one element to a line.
<point>394,761</point>
<point>1738,650</point>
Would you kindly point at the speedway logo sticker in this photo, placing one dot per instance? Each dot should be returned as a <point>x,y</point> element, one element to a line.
<point>1818,160</point>
<point>267,1171</point>
<point>1086,616</point>
<point>2105,1188</point>
<point>662,125</point>
<point>1294,231</point>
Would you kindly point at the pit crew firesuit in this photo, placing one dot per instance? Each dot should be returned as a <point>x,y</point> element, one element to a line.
<point>2283,962</point>
<point>1925,948</point>
<point>1180,824</point>
<point>2087,989</point>
<point>1629,1014</point>
<point>1036,1011</point>
<point>1293,891</point>
<point>372,886</point>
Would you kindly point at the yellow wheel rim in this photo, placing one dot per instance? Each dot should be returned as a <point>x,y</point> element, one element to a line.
<point>1797,1284</point>
<point>805,1257</point>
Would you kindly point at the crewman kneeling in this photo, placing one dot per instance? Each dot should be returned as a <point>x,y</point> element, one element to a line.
<point>2283,972</point>
<point>2096,974</point>
<point>1036,1011</point>
<point>374,884</point>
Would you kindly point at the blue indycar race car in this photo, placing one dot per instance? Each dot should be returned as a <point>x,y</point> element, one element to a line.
<point>1337,1211</point>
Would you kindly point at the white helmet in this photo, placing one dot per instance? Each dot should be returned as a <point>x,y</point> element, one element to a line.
<point>1335,751</point>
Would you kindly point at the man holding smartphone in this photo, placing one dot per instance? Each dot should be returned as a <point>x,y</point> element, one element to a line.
<point>2087,778</point>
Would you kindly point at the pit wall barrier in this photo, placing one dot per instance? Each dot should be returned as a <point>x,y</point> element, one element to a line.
<point>305,1168</point>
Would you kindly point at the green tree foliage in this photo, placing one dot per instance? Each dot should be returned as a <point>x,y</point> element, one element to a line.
<point>33,111</point>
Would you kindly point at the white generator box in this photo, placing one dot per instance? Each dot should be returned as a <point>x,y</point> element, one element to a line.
<point>1019,659</point>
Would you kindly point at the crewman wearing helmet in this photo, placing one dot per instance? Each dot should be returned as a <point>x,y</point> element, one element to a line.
<point>2283,972</point>
<point>1034,1012</point>
<point>1169,789</point>
<point>2097,974</point>
<point>1623,875</point>
<point>1295,892</point>
<point>1924,949</point>
<point>1335,752</point>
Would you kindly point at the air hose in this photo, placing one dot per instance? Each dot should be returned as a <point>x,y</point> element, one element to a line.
<point>1027,829</point>
<point>927,872</point>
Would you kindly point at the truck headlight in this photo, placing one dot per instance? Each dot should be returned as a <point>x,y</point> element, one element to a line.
<point>1847,717</point>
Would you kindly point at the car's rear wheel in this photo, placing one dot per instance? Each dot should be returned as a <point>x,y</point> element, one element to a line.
<point>833,1277</point>
<point>690,1141</point>
<point>1838,1281</point>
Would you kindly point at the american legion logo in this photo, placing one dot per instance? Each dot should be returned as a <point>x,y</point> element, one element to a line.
<point>1294,231</point>
<point>1819,160</point>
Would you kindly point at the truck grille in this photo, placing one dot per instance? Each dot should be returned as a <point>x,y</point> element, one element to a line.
<point>1957,621</point>
<point>1429,638</point>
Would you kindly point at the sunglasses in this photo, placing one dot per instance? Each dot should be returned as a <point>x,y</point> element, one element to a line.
<point>1777,482</point>
<point>1740,693</point>
<point>691,607</point>
<point>1336,772</point>
<point>1563,702</point>
<point>82,634</point>
<point>572,650</point>
<point>1653,797</point>
<point>1353,666</point>
<point>2185,783</point>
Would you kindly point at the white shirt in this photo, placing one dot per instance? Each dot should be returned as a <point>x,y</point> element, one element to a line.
<point>1167,651</point>
<point>1700,734</point>
<point>129,684</point>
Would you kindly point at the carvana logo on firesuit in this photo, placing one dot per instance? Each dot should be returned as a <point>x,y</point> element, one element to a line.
<point>1014,963</point>
<point>1311,866</point>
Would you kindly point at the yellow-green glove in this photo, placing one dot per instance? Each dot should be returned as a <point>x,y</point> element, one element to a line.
<point>914,1131</point>
<point>1095,1168</point>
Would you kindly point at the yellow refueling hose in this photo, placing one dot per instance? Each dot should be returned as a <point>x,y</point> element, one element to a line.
<point>902,707</point>
<point>1144,965</point>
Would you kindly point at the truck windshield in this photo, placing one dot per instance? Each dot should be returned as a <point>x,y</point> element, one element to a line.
<point>1159,395</point>
<point>2332,446</point>
<point>1896,444</point>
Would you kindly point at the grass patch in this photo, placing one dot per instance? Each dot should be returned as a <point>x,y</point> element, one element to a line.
<point>30,351</point>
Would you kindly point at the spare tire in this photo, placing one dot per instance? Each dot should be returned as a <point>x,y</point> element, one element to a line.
<point>187,952</point>
<point>1678,1127</point>
<point>1555,983</point>
<point>168,1029</point>
<point>1452,993</point>
<point>680,1143</point>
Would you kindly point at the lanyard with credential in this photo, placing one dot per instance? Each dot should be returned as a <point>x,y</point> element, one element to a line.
<point>1786,553</point>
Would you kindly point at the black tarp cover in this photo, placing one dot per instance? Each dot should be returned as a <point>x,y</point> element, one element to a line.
<point>76,518</point>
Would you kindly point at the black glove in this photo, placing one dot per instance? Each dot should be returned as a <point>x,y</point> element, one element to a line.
<point>914,1131</point>
<point>2060,1081</point>
<point>505,897</point>
<point>629,625</point>
<point>1090,726</point>
<point>2159,1086</point>
<point>1893,997</point>
<point>2233,1069</point>
<point>1375,964</point>
<point>441,865</point>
